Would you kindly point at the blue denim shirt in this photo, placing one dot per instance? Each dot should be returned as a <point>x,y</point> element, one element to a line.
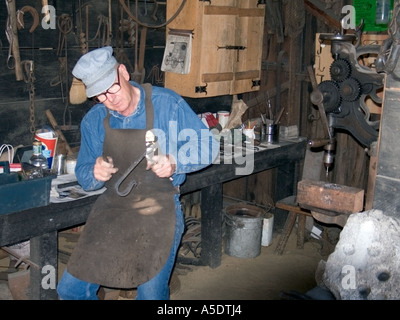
<point>179,131</point>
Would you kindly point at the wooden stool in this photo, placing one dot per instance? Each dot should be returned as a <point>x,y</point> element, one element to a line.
<point>289,204</point>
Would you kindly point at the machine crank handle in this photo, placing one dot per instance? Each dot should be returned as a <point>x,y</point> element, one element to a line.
<point>316,143</point>
<point>317,98</point>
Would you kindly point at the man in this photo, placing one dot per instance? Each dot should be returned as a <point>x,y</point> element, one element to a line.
<point>133,232</point>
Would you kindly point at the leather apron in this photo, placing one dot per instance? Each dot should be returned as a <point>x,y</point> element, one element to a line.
<point>127,240</point>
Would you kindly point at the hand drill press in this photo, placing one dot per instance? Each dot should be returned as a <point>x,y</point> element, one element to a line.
<point>341,100</point>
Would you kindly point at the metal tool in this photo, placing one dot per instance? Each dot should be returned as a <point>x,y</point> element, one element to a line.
<point>151,147</point>
<point>344,96</point>
<point>341,101</point>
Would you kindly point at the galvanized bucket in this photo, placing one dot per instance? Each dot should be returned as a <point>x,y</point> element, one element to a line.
<point>243,230</point>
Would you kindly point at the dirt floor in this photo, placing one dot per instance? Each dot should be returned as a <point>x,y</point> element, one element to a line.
<point>264,277</point>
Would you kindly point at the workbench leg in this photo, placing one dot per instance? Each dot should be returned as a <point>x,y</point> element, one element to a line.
<point>211,225</point>
<point>43,251</point>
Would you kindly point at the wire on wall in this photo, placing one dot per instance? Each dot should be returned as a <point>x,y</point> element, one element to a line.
<point>128,11</point>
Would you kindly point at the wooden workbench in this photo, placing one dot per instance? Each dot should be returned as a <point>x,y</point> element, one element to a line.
<point>41,225</point>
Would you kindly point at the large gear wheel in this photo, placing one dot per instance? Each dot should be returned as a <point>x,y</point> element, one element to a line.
<point>340,70</point>
<point>350,89</point>
<point>331,96</point>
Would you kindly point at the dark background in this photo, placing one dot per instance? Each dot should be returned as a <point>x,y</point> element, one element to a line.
<point>19,114</point>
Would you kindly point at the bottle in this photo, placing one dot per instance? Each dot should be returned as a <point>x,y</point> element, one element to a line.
<point>382,11</point>
<point>38,159</point>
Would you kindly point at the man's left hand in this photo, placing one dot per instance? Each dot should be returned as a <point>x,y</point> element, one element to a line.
<point>162,165</point>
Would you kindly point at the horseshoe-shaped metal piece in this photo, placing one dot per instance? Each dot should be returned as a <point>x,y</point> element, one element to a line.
<point>20,16</point>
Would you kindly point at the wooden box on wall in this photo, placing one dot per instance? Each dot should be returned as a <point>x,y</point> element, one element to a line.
<point>226,53</point>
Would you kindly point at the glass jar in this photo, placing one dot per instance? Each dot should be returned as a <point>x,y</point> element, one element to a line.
<point>38,160</point>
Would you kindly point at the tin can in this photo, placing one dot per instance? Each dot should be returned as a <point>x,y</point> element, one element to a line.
<point>70,164</point>
<point>223,117</point>
<point>59,165</point>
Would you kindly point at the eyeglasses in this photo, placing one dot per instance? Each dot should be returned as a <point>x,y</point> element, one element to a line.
<point>102,97</point>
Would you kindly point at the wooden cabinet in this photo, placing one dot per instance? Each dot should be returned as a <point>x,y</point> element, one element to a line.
<point>227,37</point>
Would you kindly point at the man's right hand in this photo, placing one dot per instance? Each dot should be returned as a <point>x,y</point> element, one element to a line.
<point>104,168</point>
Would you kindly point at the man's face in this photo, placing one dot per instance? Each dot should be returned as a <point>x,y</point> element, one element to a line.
<point>124,100</point>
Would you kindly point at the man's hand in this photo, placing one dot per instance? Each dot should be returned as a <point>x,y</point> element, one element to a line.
<point>104,169</point>
<point>163,165</point>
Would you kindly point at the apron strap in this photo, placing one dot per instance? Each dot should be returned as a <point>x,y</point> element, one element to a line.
<point>149,105</point>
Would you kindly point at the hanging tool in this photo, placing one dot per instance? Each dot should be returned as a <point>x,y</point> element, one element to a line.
<point>317,98</point>
<point>178,11</point>
<point>136,75</point>
<point>20,18</point>
<point>12,37</point>
<point>109,22</point>
<point>87,27</point>
<point>82,37</point>
<point>142,52</point>
<point>65,26</point>
<point>153,14</point>
<point>29,78</point>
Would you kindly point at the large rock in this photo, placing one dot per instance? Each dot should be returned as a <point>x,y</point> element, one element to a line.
<point>366,262</point>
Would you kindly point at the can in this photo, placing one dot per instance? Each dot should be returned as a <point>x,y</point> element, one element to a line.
<point>59,164</point>
<point>223,117</point>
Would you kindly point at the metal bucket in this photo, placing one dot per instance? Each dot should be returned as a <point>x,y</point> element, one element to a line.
<point>243,230</point>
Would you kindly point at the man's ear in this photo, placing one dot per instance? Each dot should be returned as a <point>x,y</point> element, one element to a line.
<point>124,72</point>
